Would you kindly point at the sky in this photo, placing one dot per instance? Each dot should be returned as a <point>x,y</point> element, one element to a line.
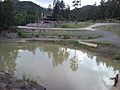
<point>45,3</point>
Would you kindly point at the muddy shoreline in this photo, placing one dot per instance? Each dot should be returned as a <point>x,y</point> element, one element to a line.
<point>8,82</point>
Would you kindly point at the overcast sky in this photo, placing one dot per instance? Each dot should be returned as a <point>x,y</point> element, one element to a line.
<point>45,3</point>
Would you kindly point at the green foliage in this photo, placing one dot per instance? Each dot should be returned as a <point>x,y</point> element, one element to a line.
<point>76,4</point>
<point>19,13</point>
<point>73,25</point>
<point>14,12</point>
<point>28,78</point>
<point>23,35</point>
<point>109,9</point>
<point>116,57</point>
<point>26,12</point>
<point>70,26</point>
<point>6,13</point>
<point>56,11</point>
<point>61,11</point>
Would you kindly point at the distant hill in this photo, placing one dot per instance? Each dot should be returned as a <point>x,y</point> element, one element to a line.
<point>28,6</point>
<point>26,12</point>
<point>84,13</point>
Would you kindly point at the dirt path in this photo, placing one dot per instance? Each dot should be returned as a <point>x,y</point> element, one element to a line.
<point>107,36</point>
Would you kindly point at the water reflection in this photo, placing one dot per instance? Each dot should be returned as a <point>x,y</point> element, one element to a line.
<point>74,63</point>
<point>57,67</point>
<point>57,54</point>
<point>8,56</point>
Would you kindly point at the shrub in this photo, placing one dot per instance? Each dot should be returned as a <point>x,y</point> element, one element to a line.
<point>116,57</point>
<point>64,26</point>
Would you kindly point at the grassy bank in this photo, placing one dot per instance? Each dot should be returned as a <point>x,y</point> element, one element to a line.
<point>73,25</point>
<point>104,49</point>
<point>62,34</point>
<point>112,28</point>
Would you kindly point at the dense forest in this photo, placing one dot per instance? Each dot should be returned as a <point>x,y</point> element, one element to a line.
<point>26,12</point>
<point>14,12</point>
<point>106,10</point>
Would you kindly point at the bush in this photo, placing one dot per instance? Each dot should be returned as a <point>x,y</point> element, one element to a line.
<point>116,57</point>
<point>23,35</point>
<point>64,26</point>
<point>3,27</point>
<point>37,36</point>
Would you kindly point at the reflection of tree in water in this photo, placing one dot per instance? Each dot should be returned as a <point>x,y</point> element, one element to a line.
<point>74,63</point>
<point>108,62</point>
<point>31,47</point>
<point>90,56</point>
<point>105,61</point>
<point>60,56</point>
<point>57,54</point>
<point>8,55</point>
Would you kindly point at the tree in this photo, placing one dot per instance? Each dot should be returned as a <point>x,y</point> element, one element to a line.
<point>49,9</point>
<point>61,11</point>
<point>94,13</point>
<point>8,15</point>
<point>14,1</point>
<point>116,8</point>
<point>1,16</point>
<point>102,9</point>
<point>56,11</point>
<point>76,4</point>
<point>27,12</point>
<point>54,3</point>
<point>66,13</point>
<point>74,63</point>
<point>1,12</point>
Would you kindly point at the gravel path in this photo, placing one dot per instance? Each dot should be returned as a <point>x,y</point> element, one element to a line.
<point>107,36</point>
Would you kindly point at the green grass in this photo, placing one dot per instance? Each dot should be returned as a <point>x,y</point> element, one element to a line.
<point>27,35</point>
<point>71,34</point>
<point>112,28</point>
<point>61,34</point>
<point>73,25</point>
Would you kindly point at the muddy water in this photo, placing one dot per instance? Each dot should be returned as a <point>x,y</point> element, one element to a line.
<point>57,67</point>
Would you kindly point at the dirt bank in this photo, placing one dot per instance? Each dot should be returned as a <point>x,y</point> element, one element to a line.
<point>7,82</point>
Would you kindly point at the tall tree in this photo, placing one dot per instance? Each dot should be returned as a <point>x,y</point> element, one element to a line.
<point>102,9</point>
<point>56,11</point>
<point>54,3</point>
<point>50,9</point>
<point>76,4</point>
<point>1,15</point>
<point>66,13</point>
<point>116,8</point>
<point>8,13</point>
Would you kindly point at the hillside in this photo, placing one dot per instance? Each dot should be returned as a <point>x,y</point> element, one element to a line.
<point>26,12</point>
<point>84,13</point>
<point>28,6</point>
